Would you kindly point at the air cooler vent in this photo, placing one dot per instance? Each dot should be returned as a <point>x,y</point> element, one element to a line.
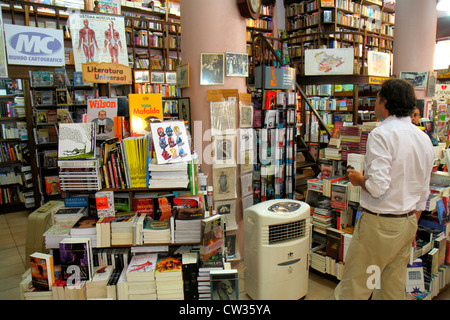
<point>288,231</point>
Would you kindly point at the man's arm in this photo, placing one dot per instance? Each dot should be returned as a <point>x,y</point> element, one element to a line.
<point>357,179</point>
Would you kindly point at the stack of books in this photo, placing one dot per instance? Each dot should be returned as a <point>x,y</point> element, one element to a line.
<point>204,282</point>
<point>321,219</point>
<point>140,276</point>
<point>350,141</point>
<point>70,214</point>
<point>122,228</point>
<point>173,175</point>
<point>79,175</point>
<point>85,227</point>
<point>169,279</point>
<point>96,288</point>
<point>188,223</point>
<point>56,233</point>
<point>157,231</point>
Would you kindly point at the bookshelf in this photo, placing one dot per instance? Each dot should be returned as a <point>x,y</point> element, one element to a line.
<point>360,24</point>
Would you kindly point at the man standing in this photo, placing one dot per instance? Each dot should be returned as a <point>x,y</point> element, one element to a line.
<point>395,184</point>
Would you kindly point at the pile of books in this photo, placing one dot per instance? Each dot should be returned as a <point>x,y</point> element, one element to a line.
<point>79,175</point>
<point>140,276</point>
<point>173,175</point>
<point>70,214</point>
<point>157,231</point>
<point>188,222</point>
<point>350,141</point>
<point>321,219</point>
<point>85,227</point>
<point>169,279</point>
<point>56,233</point>
<point>122,229</point>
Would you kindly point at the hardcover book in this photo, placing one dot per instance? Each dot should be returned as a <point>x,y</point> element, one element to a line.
<point>144,109</point>
<point>76,141</point>
<point>102,112</point>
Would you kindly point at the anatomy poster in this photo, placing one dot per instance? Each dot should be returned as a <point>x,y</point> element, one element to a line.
<point>171,142</point>
<point>329,61</point>
<point>98,38</point>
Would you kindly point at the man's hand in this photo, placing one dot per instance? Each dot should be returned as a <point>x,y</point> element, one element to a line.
<point>356,178</point>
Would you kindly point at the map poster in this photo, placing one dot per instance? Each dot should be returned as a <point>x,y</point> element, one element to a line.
<point>320,62</point>
<point>98,38</point>
<point>378,64</point>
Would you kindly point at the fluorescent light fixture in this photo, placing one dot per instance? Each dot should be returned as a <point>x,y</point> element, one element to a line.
<point>443,5</point>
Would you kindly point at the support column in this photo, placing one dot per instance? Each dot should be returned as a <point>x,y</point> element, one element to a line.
<point>414,37</point>
<point>210,26</point>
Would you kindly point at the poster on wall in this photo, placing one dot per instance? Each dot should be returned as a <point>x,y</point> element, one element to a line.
<point>98,38</point>
<point>3,63</point>
<point>34,46</point>
<point>378,63</point>
<point>320,62</point>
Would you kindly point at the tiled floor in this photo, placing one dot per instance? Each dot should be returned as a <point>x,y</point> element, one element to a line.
<point>12,266</point>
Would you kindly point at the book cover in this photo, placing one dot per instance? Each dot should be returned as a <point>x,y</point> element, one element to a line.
<point>41,78</point>
<point>212,241</point>
<point>52,185</point>
<point>171,142</point>
<point>76,258</point>
<point>168,264</point>
<point>224,284</point>
<point>104,201</point>
<point>102,112</point>
<point>42,271</point>
<point>144,109</point>
<point>76,141</point>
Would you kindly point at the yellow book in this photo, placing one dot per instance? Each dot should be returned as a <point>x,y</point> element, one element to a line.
<point>144,109</point>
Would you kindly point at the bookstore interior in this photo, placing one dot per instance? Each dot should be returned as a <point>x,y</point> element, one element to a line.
<point>155,166</point>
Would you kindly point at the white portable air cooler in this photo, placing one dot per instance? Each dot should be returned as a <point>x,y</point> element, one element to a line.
<point>276,247</point>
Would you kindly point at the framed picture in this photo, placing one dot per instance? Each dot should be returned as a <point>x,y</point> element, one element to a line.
<point>62,97</point>
<point>245,115</point>
<point>184,110</point>
<point>329,61</point>
<point>224,183</point>
<point>171,77</point>
<point>141,76</point>
<point>227,209</point>
<point>223,117</point>
<point>379,64</point>
<point>237,64</point>
<point>183,76</point>
<point>224,150</point>
<point>212,69</point>
<point>418,79</point>
<point>157,77</point>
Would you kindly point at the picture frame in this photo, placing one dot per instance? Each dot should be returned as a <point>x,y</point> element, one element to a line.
<point>212,69</point>
<point>227,209</point>
<point>224,183</point>
<point>141,76</point>
<point>418,79</point>
<point>184,110</point>
<point>171,77</point>
<point>329,61</point>
<point>378,64</point>
<point>157,77</point>
<point>224,150</point>
<point>237,64</point>
<point>223,117</point>
<point>62,97</point>
<point>183,76</point>
<point>245,115</point>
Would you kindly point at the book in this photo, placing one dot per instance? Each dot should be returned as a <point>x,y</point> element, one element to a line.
<point>102,112</point>
<point>171,143</point>
<point>212,242</point>
<point>334,244</point>
<point>169,278</point>
<point>76,141</point>
<point>42,271</point>
<point>143,110</point>
<point>105,203</point>
<point>76,258</point>
<point>224,284</point>
<point>52,185</point>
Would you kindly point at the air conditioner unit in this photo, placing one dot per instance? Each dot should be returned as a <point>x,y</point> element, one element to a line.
<point>276,248</point>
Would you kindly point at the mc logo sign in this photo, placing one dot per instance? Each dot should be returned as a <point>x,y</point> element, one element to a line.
<point>34,43</point>
<point>35,46</point>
